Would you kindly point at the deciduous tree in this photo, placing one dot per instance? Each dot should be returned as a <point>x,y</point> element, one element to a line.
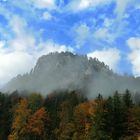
<point>36,124</point>
<point>19,125</point>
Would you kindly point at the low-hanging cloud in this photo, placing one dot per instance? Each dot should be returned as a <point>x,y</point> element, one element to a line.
<point>66,71</point>
<point>110,56</point>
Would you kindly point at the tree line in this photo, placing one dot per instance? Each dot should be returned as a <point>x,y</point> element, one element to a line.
<point>64,115</point>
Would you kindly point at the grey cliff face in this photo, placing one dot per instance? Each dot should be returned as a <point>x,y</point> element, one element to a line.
<point>66,71</point>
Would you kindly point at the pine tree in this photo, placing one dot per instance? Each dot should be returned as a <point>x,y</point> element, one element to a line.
<point>35,101</point>
<point>127,100</point>
<point>119,117</point>
<point>99,121</point>
<point>109,116</point>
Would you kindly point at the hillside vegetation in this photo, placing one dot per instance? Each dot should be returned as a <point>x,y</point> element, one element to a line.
<point>67,115</point>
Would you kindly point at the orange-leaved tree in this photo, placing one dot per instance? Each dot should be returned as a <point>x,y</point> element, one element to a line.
<point>19,125</point>
<point>82,119</point>
<point>37,123</point>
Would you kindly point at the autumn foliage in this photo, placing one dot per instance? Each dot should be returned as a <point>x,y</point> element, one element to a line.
<point>69,116</point>
<point>19,125</point>
<point>36,122</point>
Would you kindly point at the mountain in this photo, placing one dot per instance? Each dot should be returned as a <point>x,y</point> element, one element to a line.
<point>68,71</point>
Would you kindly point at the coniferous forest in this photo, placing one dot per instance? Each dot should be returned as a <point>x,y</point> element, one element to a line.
<point>71,115</point>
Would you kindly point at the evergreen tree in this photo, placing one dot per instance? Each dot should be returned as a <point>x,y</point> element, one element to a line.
<point>99,121</point>
<point>5,120</point>
<point>35,101</point>
<point>127,100</point>
<point>119,116</point>
<point>109,116</point>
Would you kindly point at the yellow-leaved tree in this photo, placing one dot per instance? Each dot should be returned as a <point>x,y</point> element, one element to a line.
<point>19,126</point>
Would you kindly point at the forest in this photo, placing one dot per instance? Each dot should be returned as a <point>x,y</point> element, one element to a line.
<point>65,115</point>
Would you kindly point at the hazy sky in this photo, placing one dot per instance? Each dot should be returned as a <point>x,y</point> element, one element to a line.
<point>106,29</point>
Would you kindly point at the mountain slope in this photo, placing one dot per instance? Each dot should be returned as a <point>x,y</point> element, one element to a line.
<point>61,71</point>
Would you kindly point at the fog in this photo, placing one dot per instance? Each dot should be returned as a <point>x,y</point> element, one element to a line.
<point>66,71</point>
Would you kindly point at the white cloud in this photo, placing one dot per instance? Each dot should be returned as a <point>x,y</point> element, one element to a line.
<point>47,16</point>
<point>50,46</point>
<point>134,57</point>
<point>134,43</point>
<point>21,52</point>
<point>85,34</point>
<point>23,40</point>
<point>108,22</point>
<point>17,24</point>
<point>110,57</point>
<point>42,4</point>
<point>82,33</point>
<point>78,5</point>
<point>121,6</point>
<point>2,44</point>
<point>13,63</point>
<point>103,34</point>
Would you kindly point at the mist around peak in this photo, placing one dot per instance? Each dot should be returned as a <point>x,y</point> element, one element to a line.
<point>68,71</point>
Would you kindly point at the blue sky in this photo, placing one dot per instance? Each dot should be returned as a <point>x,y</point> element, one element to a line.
<point>106,29</point>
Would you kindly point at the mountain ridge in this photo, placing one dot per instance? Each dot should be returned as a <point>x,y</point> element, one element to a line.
<point>68,71</point>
